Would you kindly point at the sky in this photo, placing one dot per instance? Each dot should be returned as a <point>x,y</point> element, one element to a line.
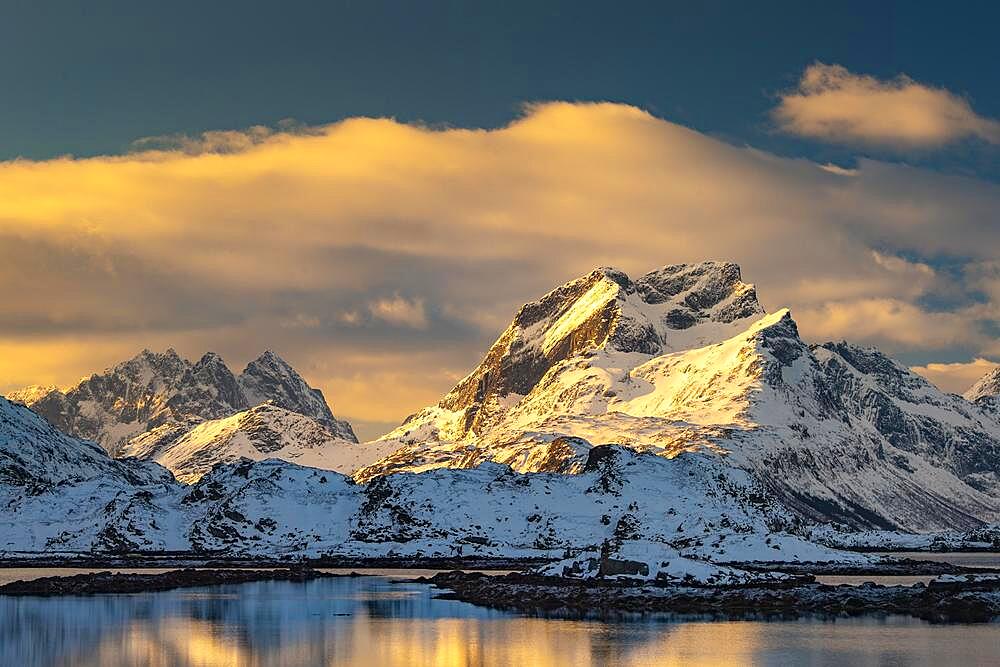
<point>372,189</point>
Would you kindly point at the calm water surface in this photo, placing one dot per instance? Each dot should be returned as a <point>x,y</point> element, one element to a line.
<point>375,621</point>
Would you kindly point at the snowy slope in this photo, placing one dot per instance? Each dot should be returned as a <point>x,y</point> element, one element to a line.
<point>696,507</point>
<point>264,431</point>
<point>677,307</point>
<point>57,492</point>
<point>271,378</point>
<point>840,433</point>
<point>33,454</point>
<point>154,390</point>
<point>985,393</point>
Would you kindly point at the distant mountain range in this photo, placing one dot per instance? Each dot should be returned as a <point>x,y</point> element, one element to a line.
<point>190,416</point>
<point>721,422</point>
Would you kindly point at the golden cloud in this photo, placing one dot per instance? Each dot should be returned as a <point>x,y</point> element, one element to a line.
<point>836,105</point>
<point>411,247</point>
<point>955,377</point>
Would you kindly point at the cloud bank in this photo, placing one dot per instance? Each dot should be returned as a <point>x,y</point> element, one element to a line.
<point>382,258</point>
<point>956,377</point>
<point>835,105</point>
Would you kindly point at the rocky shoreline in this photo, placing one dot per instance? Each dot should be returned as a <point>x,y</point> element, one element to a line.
<point>108,582</point>
<point>893,567</point>
<point>953,597</point>
<point>966,598</point>
<point>187,560</point>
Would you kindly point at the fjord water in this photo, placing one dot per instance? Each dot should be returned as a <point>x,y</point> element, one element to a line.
<point>375,621</point>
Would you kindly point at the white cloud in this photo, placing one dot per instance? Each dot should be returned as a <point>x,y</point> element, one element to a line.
<point>835,105</point>
<point>400,312</point>
<point>351,317</point>
<point>892,323</point>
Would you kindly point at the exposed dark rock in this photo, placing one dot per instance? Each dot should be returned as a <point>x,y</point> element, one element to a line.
<point>167,394</point>
<point>516,363</point>
<point>964,602</point>
<point>109,583</point>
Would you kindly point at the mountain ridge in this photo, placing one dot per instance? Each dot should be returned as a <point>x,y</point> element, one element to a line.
<point>841,433</point>
<point>681,362</point>
<point>157,405</point>
<point>986,387</point>
<point>276,509</point>
<point>153,389</point>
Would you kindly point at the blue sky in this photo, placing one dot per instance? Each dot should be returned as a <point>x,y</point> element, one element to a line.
<point>89,78</point>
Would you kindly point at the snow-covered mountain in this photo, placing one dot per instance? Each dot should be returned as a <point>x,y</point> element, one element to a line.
<point>684,360</point>
<point>986,391</point>
<point>681,371</point>
<point>34,456</point>
<point>56,490</point>
<point>678,307</point>
<point>675,308</point>
<point>158,406</point>
<point>59,495</point>
<point>271,378</point>
<point>264,431</point>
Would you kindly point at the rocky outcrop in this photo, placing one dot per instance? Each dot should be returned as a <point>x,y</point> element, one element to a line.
<point>684,360</point>
<point>676,307</point>
<point>163,394</point>
<point>108,583</point>
<point>966,599</point>
<point>987,388</point>
<point>262,432</point>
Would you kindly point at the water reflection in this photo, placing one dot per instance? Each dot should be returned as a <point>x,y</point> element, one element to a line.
<point>372,621</point>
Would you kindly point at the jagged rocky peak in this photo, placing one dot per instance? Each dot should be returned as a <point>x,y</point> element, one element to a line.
<point>987,387</point>
<point>271,378</point>
<point>712,291</point>
<point>134,392</point>
<point>160,392</point>
<point>677,307</point>
<point>32,394</point>
<point>148,369</point>
<point>207,390</point>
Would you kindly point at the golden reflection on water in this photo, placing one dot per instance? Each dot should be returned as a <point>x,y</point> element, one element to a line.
<point>455,642</point>
<point>450,642</point>
<point>370,622</point>
<point>167,644</point>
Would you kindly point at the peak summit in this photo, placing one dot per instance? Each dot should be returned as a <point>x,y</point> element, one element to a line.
<point>986,386</point>
<point>270,356</point>
<point>154,390</point>
<point>672,308</point>
<point>271,377</point>
<point>210,358</point>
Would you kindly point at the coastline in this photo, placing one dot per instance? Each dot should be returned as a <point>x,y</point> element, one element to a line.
<point>890,567</point>
<point>118,583</point>
<point>958,594</point>
<point>967,599</point>
<point>162,560</point>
